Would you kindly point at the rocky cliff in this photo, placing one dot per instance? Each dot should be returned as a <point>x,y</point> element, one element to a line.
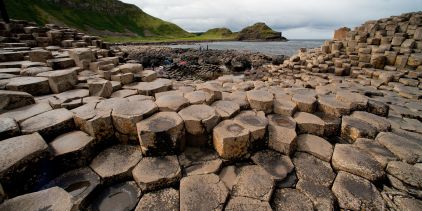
<point>259,31</point>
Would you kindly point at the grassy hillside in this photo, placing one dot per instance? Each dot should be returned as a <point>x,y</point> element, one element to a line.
<point>259,31</point>
<point>94,16</point>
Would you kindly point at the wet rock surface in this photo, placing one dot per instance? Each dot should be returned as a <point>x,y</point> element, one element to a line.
<point>331,128</point>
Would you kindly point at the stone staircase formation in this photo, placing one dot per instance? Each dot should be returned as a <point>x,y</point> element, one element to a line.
<point>337,127</point>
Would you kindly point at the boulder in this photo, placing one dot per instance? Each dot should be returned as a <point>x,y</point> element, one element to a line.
<point>82,57</point>
<point>353,128</point>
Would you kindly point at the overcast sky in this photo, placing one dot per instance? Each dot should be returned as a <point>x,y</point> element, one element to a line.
<point>297,19</point>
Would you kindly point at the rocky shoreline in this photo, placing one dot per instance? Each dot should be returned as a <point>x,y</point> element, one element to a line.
<point>87,127</point>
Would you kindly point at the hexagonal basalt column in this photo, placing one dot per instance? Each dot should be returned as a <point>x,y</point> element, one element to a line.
<point>116,163</point>
<point>126,116</point>
<point>282,134</point>
<point>199,121</point>
<point>153,173</point>
<point>231,140</point>
<point>260,100</point>
<point>162,134</point>
<point>256,124</point>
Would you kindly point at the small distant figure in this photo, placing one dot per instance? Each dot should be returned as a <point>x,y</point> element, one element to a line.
<point>200,48</point>
<point>3,12</point>
<point>207,47</point>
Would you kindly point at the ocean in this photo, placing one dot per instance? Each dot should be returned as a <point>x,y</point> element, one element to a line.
<point>272,48</point>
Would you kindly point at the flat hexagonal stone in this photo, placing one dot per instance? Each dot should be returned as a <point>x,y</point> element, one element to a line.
<point>153,173</point>
<point>238,97</point>
<point>277,165</point>
<point>13,99</point>
<point>284,106</point>
<point>215,89</point>
<point>124,93</point>
<point>408,150</point>
<point>231,140</point>
<point>282,134</point>
<point>199,118</point>
<point>305,103</point>
<point>377,150</point>
<point>254,182</point>
<point>116,162</point>
<point>244,203</point>
<point>356,193</point>
<point>79,183</point>
<point>165,199</point>
<point>406,173</point>
<point>380,123</point>
<point>312,169</point>
<point>18,154</point>
<point>202,192</point>
<point>121,196</point>
<point>61,80</point>
<point>171,103</point>
<point>72,149</point>
<point>309,123</point>
<point>49,124</point>
<point>291,199</point>
<point>161,134</point>
<point>321,196</point>
<point>33,71</point>
<point>31,85</point>
<point>61,63</point>
<point>23,113</point>
<point>126,115</point>
<point>96,122</point>
<point>226,109</point>
<point>260,100</point>
<point>150,88</point>
<point>199,97</point>
<point>8,128</point>
<point>196,161</point>
<point>54,199</point>
<point>257,124</point>
<point>58,100</point>
<point>355,101</point>
<point>331,106</point>
<point>100,87</point>
<point>353,128</point>
<point>349,158</point>
<point>315,146</point>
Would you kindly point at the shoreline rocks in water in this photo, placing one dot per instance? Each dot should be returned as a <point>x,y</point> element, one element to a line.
<point>332,128</point>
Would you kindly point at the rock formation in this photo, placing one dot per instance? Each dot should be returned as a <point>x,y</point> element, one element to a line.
<point>337,127</point>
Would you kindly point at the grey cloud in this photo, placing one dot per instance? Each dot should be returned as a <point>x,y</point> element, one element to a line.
<point>296,19</point>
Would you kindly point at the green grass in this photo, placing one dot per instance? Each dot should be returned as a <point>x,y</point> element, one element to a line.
<point>165,38</point>
<point>123,18</point>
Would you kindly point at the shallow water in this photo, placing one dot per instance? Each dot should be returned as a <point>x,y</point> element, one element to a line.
<point>274,48</point>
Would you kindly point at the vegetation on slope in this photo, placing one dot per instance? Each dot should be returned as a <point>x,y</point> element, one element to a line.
<point>102,16</point>
<point>259,31</point>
